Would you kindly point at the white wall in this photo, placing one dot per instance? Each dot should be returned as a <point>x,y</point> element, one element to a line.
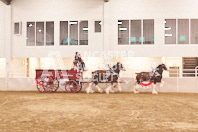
<point>157,10</point>
<point>2,29</point>
<point>55,10</point>
<point>114,10</point>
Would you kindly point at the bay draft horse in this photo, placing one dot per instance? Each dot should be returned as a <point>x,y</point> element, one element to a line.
<point>155,76</point>
<point>111,75</point>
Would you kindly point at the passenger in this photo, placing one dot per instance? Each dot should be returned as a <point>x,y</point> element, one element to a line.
<point>76,58</point>
<point>81,62</point>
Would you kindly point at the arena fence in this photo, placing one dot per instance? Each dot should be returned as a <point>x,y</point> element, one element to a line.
<point>182,82</point>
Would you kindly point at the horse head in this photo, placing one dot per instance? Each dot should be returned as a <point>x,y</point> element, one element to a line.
<point>118,67</point>
<point>160,68</point>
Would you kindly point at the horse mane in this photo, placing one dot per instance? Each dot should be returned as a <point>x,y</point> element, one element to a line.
<point>159,66</point>
<point>114,66</point>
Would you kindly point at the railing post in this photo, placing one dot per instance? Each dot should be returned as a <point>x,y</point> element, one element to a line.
<point>196,69</point>
<point>177,80</point>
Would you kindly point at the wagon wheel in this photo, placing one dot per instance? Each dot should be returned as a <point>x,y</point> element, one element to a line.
<point>47,84</point>
<point>80,87</point>
<point>71,86</point>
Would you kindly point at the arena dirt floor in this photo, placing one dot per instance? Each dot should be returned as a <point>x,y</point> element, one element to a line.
<point>33,111</point>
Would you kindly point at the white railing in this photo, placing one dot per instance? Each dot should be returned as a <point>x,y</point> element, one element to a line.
<point>183,72</point>
<point>171,73</point>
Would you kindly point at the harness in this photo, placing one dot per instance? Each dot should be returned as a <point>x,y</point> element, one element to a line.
<point>153,74</point>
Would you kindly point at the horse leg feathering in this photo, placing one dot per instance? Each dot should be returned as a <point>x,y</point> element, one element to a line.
<point>119,87</point>
<point>99,89</point>
<point>136,89</point>
<point>108,89</point>
<point>154,89</point>
<point>89,89</point>
<point>161,84</point>
<point>111,89</point>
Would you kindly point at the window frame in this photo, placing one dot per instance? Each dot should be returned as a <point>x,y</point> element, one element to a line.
<point>20,28</point>
<point>189,20</point>
<point>77,33</point>
<point>127,44</point>
<point>100,26</point>
<point>45,26</point>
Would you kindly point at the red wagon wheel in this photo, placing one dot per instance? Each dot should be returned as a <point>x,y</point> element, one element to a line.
<point>47,84</point>
<point>71,86</point>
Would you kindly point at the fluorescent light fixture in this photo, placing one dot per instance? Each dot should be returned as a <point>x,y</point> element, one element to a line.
<point>73,23</point>
<point>168,35</point>
<point>119,23</point>
<point>167,28</point>
<point>123,28</point>
<point>100,23</point>
<point>85,28</point>
<point>30,25</point>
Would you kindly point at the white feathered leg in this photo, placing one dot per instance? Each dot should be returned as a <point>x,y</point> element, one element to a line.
<point>119,87</point>
<point>161,84</point>
<point>154,89</point>
<point>89,89</point>
<point>108,89</point>
<point>111,89</point>
<point>99,89</point>
<point>136,88</point>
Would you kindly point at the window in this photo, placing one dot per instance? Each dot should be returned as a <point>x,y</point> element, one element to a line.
<point>73,40</point>
<point>139,34</point>
<point>98,26</point>
<point>194,31</point>
<point>49,33</point>
<point>148,32</point>
<point>17,28</point>
<point>123,32</point>
<point>170,31</point>
<point>30,40</point>
<point>177,31</point>
<point>40,33</point>
<point>74,32</point>
<point>64,33</point>
<point>83,32</point>
<point>135,32</point>
<point>183,31</point>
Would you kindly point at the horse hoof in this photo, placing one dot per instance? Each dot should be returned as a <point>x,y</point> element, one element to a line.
<point>112,91</point>
<point>100,91</point>
<point>87,91</point>
<point>107,91</point>
<point>154,93</point>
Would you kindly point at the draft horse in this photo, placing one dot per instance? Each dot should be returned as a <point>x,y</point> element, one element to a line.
<point>153,77</point>
<point>111,75</point>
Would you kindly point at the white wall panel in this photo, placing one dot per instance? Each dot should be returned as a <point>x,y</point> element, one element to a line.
<point>56,10</point>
